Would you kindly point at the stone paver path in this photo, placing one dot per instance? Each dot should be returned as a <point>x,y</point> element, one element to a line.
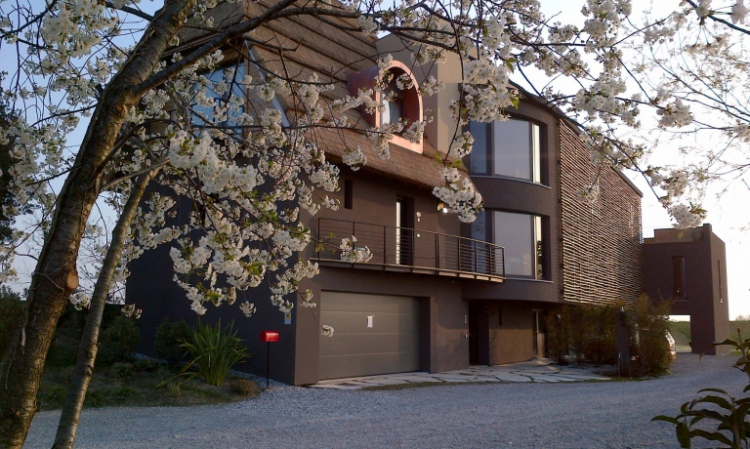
<point>539,371</point>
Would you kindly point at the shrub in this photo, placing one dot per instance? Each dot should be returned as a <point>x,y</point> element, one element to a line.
<point>11,310</point>
<point>122,370</point>
<point>146,366</point>
<point>214,350</point>
<point>169,339</point>
<point>649,324</point>
<point>584,332</point>
<point>244,387</point>
<point>119,341</point>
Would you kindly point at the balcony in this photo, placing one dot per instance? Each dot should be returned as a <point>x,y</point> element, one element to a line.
<point>410,250</point>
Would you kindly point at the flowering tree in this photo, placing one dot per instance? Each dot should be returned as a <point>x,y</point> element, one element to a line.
<point>176,116</point>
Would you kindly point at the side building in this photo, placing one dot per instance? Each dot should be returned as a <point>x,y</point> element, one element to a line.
<point>437,295</point>
<point>689,266</point>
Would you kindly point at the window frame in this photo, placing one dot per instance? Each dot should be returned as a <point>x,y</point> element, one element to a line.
<point>539,175</point>
<point>539,233</point>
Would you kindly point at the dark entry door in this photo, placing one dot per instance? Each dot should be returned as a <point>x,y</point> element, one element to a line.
<point>404,231</point>
<point>479,334</point>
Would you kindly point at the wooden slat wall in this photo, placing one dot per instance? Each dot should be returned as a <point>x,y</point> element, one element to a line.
<point>602,249</point>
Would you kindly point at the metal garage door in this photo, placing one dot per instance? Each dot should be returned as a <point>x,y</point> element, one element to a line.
<point>373,334</point>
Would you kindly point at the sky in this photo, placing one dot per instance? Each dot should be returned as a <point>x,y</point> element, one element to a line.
<point>727,215</point>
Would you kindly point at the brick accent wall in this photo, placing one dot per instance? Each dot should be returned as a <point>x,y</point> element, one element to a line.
<point>602,249</point>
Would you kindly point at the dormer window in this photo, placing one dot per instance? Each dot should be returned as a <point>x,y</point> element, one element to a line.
<point>401,100</point>
<point>393,102</point>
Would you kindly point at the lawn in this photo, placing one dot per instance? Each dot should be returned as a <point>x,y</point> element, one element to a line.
<point>139,390</point>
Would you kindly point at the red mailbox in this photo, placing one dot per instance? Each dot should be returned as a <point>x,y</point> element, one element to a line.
<point>269,336</point>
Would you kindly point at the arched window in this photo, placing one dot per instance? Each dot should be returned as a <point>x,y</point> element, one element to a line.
<point>401,99</point>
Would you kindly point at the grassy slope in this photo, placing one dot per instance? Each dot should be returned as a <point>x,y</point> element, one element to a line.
<point>680,330</point>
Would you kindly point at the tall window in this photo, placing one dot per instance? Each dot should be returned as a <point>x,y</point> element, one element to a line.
<point>520,234</point>
<point>510,148</point>
<point>679,278</point>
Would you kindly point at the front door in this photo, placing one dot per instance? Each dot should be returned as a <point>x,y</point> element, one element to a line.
<point>479,334</point>
<point>404,231</point>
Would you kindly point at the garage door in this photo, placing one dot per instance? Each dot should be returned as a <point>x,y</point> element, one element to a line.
<point>373,334</point>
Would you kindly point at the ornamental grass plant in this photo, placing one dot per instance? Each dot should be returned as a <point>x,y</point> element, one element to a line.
<point>213,350</point>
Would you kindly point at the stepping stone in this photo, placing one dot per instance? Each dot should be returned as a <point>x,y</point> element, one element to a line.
<point>512,378</point>
<point>338,387</point>
<point>380,382</point>
<point>417,379</point>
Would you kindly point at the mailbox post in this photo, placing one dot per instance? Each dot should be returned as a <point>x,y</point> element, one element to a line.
<point>268,337</point>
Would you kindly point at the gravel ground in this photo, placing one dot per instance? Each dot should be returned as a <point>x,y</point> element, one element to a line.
<point>564,415</point>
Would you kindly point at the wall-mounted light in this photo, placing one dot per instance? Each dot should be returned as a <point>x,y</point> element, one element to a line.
<point>442,207</point>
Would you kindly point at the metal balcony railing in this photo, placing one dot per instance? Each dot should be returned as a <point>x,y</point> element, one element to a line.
<point>412,250</point>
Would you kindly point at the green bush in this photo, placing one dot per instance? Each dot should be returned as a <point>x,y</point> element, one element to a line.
<point>584,332</point>
<point>11,310</point>
<point>244,387</point>
<point>214,350</point>
<point>119,341</point>
<point>588,333</point>
<point>146,366</point>
<point>649,324</point>
<point>121,370</point>
<point>169,339</point>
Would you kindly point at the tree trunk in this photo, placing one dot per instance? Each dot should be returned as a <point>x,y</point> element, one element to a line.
<point>71,412</point>
<point>56,276</point>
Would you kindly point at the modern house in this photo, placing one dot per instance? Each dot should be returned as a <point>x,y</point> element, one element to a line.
<point>437,295</point>
<point>689,266</point>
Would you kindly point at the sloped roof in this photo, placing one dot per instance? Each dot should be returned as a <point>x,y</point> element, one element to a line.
<point>300,46</point>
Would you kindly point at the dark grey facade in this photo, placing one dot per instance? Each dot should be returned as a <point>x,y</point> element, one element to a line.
<point>689,266</point>
<point>437,295</point>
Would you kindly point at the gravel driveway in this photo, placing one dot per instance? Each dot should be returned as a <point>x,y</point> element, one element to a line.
<point>564,415</point>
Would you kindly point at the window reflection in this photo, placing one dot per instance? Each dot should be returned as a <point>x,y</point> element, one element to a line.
<point>509,148</point>
<point>520,234</point>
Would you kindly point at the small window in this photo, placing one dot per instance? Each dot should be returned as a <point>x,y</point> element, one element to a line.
<point>393,102</point>
<point>679,278</point>
<point>348,194</point>
<point>721,284</point>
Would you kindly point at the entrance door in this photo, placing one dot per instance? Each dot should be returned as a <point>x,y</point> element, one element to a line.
<point>479,334</point>
<point>404,231</point>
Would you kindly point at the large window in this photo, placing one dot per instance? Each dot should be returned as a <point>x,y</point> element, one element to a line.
<point>520,235</point>
<point>509,148</point>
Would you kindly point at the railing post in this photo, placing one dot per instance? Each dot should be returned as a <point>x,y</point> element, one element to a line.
<point>458,265</point>
<point>385,245</point>
<point>437,250</point>
<point>476,260</point>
